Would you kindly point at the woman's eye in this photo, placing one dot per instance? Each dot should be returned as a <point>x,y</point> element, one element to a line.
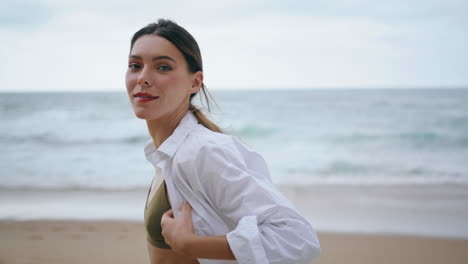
<point>164,67</point>
<point>134,66</point>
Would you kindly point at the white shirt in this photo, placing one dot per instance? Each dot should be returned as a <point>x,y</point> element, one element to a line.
<point>231,193</point>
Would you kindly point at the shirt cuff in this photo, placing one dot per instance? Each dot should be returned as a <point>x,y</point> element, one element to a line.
<point>245,242</point>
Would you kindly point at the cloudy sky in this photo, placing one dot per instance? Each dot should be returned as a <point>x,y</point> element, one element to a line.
<point>82,45</point>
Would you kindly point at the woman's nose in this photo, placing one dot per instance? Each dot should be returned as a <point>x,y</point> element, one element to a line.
<point>144,79</point>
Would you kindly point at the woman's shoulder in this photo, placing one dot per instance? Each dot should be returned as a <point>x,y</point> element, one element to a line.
<point>205,153</point>
<point>204,143</point>
<point>202,137</point>
<point>200,152</point>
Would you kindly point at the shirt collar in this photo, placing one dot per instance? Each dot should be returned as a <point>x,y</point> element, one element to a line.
<point>173,142</point>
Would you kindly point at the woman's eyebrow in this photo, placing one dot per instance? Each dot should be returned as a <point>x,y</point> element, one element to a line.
<point>154,58</point>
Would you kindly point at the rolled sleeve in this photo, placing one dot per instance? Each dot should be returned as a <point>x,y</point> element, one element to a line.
<point>267,227</point>
<point>245,242</point>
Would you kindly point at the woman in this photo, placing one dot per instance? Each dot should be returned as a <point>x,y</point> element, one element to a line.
<point>225,208</point>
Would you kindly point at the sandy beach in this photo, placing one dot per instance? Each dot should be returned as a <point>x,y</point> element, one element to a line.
<point>53,242</point>
<point>356,224</point>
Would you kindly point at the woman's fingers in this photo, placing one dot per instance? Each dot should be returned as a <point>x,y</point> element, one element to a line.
<point>186,207</point>
<point>176,231</point>
<point>167,216</point>
<point>185,212</point>
<point>170,213</point>
<point>167,223</point>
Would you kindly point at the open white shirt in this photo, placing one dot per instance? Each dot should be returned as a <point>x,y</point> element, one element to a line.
<point>231,193</point>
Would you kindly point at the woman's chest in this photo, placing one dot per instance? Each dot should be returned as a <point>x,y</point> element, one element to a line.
<point>205,218</point>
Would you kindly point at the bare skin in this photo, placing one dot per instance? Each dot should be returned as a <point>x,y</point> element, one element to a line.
<point>167,256</point>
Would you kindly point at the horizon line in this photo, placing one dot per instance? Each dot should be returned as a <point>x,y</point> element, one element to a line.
<point>419,87</point>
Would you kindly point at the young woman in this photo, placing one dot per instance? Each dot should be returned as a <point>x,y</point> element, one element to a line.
<point>212,199</point>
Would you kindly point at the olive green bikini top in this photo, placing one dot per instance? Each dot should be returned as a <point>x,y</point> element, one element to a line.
<point>158,205</point>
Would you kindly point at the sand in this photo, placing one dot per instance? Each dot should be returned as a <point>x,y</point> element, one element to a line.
<point>356,224</point>
<point>34,242</point>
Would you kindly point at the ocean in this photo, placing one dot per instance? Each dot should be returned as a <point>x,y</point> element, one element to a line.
<point>79,155</point>
<point>94,141</point>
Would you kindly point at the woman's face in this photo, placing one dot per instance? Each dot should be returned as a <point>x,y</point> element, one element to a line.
<point>158,68</point>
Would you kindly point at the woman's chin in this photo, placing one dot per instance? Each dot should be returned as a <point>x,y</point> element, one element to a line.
<point>145,115</point>
<point>142,115</point>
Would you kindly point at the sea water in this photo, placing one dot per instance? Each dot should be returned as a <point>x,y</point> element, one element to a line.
<point>93,140</point>
<point>349,156</point>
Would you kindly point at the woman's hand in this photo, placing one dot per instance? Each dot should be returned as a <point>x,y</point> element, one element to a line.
<point>178,232</point>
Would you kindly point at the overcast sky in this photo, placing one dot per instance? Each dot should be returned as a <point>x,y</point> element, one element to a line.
<point>82,45</point>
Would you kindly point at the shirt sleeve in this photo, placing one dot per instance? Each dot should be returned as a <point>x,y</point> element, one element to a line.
<point>267,227</point>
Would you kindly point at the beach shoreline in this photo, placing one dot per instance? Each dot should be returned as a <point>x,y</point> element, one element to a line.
<point>420,210</point>
<point>93,241</point>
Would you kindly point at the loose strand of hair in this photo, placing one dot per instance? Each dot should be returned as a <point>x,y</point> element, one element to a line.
<point>202,119</point>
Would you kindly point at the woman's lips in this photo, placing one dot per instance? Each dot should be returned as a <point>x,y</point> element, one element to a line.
<point>145,99</point>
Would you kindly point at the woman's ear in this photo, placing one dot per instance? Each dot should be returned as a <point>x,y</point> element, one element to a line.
<point>197,82</point>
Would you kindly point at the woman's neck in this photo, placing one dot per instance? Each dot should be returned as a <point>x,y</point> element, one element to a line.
<point>162,128</point>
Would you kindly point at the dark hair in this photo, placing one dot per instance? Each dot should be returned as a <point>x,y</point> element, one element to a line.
<point>188,46</point>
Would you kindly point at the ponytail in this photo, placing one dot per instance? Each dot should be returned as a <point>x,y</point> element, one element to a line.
<point>202,119</point>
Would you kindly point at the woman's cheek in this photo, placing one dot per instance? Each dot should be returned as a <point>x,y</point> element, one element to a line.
<point>166,80</point>
<point>130,81</point>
